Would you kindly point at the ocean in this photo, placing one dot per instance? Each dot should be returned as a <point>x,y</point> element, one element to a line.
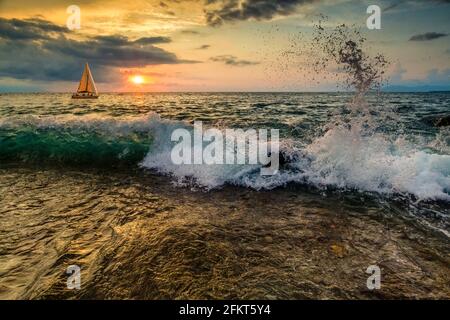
<point>90,183</point>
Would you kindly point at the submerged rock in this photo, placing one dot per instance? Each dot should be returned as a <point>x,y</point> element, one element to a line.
<point>443,122</point>
<point>438,121</point>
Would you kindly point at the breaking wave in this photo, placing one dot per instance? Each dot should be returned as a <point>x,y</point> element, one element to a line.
<point>343,158</point>
<point>74,141</point>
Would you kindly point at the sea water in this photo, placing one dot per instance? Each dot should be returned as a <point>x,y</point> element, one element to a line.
<point>91,183</point>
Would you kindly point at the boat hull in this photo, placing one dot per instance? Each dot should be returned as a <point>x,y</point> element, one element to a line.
<point>84,97</point>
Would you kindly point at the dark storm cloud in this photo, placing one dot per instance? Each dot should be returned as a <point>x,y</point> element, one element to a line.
<point>22,60</point>
<point>128,55</point>
<point>112,40</point>
<point>16,29</point>
<point>427,36</point>
<point>39,50</point>
<point>233,61</point>
<point>235,10</point>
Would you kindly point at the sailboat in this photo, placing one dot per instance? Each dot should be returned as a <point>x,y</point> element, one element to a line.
<point>86,88</point>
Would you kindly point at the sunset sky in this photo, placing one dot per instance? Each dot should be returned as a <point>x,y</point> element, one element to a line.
<point>210,45</point>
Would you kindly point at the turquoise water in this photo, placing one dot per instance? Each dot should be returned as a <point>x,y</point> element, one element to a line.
<point>91,182</point>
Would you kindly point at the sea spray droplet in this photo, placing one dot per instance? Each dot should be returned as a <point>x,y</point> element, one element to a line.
<point>343,47</point>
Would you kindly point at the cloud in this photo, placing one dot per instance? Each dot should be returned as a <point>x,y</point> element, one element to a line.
<point>395,3</point>
<point>233,61</point>
<point>427,36</point>
<point>219,11</point>
<point>153,40</point>
<point>192,32</point>
<point>118,40</point>
<point>391,6</point>
<point>204,47</point>
<point>126,55</point>
<point>112,40</point>
<point>15,29</point>
<point>39,50</point>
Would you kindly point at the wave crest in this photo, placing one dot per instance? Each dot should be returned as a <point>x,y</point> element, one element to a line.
<point>344,157</point>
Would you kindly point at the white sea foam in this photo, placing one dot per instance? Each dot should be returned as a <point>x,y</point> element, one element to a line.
<point>342,158</point>
<point>347,159</point>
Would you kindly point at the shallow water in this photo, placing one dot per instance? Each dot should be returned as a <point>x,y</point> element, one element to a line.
<point>79,186</point>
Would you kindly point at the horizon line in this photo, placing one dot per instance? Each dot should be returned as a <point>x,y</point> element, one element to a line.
<point>231,91</point>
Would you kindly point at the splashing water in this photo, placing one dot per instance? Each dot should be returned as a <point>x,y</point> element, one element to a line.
<point>355,152</point>
<point>344,47</point>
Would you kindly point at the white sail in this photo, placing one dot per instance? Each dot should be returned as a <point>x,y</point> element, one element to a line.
<point>87,84</point>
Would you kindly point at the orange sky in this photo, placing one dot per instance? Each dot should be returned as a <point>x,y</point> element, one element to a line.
<point>239,55</point>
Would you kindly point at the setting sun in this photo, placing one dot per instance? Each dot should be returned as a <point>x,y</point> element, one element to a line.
<point>137,79</point>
